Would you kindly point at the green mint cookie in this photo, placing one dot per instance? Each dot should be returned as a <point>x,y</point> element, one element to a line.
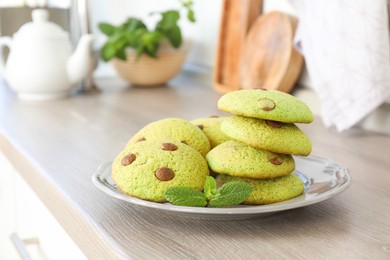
<point>266,104</point>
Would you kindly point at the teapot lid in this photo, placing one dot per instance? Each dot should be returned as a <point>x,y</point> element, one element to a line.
<point>40,26</point>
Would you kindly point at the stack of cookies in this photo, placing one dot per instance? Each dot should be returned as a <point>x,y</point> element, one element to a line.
<point>262,139</point>
<point>255,145</point>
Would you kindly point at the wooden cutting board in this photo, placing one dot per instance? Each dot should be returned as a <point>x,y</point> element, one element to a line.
<point>236,18</point>
<point>268,59</point>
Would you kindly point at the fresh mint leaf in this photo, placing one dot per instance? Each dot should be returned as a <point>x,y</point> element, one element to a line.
<point>121,54</point>
<point>169,19</point>
<point>191,16</point>
<point>151,41</point>
<point>118,42</point>
<point>182,196</point>
<point>107,29</point>
<point>107,52</point>
<point>231,193</point>
<point>169,28</point>
<point>210,187</point>
<point>187,4</point>
<point>190,12</point>
<point>174,36</point>
<point>134,39</point>
<point>133,24</point>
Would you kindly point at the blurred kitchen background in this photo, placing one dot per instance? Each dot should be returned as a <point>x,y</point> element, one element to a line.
<point>82,16</point>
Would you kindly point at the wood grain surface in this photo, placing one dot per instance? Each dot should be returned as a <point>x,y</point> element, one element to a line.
<point>236,19</point>
<point>269,59</point>
<point>58,145</point>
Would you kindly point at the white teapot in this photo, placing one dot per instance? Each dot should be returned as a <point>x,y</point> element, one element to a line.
<point>41,64</point>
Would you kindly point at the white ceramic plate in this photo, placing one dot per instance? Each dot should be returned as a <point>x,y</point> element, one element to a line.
<point>322,177</point>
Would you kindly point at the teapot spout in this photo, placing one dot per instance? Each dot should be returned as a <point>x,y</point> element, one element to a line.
<point>79,62</point>
<point>4,42</point>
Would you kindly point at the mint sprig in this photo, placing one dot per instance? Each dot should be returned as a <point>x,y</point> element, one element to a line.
<point>182,196</point>
<point>229,194</point>
<point>135,34</point>
<point>210,187</point>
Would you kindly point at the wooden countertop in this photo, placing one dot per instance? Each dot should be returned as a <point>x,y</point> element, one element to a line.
<point>58,145</point>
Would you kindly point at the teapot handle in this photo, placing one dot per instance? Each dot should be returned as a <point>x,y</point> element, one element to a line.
<point>4,42</point>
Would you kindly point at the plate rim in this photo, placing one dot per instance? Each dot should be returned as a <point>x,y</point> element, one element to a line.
<point>230,211</point>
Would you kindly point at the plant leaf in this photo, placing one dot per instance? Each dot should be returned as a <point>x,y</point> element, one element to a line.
<point>210,187</point>
<point>151,41</point>
<point>182,196</point>
<point>121,54</point>
<point>231,193</point>
<point>133,24</point>
<point>107,52</point>
<point>187,4</point>
<point>174,37</point>
<point>191,16</point>
<point>107,28</point>
<point>169,19</point>
<point>190,12</point>
<point>169,28</point>
<point>146,42</point>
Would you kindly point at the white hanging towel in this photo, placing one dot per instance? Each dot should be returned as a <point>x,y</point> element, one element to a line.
<point>346,48</point>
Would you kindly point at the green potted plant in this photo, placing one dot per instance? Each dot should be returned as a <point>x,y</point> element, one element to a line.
<point>145,56</point>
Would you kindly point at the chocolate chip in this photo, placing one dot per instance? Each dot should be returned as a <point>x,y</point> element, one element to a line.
<point>168,147</point>
<point>275,160</point>
<point>128,159</point>
<point>201,127</point>
<point>164,174</point>
<point>274,124</point>
<point>141,139</point>
<point>213,116</point>
<point>266,104</point>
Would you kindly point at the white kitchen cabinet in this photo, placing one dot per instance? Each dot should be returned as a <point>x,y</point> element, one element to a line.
<point>23,214</point>
<point>7,210</point>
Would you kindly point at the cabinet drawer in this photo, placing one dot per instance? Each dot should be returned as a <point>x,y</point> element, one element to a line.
<point>29,219</point>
